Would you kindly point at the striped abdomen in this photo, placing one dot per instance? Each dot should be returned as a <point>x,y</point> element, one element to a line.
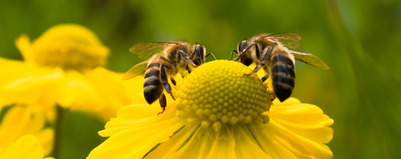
<point>282,73</point>
<point>152,86</point>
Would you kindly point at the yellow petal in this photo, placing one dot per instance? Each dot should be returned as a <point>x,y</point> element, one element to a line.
<point>299,146</point>
<point>305,120</point>
<point>197,142</point>
<point>133,139</point>
<point>301,128</point>
<point>19,121</point>
<point>179,140</point>
<point>223,145</point>
<point>266,141</point>
<point>78,93</point>
<point>246,146</point>
<point>39,86</point>
<point>188,141</point>
<point>16,122</point>
<point>12,69</point>
<point>23,44</point>
<point>46,137</point>
<point>130,116</point>
<point>27,147</point>
<point>114,93</point>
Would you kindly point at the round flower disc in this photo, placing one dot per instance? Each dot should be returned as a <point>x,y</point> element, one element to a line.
<point>221,92</point>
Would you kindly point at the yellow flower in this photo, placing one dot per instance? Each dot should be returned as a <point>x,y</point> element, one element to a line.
<point>67,46</point>
<point>219,112</point>
<point>21,120</point>
<point>64,67</point>
<point>27,147</point>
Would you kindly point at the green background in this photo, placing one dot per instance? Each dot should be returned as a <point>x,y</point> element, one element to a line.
<point>360,40</point>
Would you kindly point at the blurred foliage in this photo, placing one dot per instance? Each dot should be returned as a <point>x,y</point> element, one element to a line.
<point>359,40</point>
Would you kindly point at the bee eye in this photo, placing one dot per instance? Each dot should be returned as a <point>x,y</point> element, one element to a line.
<point>242,45</point>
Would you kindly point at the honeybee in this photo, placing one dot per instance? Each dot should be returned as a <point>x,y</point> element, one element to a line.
<point>270,52</point>
<point>164,59</point>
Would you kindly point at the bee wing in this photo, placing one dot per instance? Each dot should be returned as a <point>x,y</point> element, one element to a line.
<point>147,50</point>
<point>309,59</point>
<point>136,70</point>
<point>289,40</point>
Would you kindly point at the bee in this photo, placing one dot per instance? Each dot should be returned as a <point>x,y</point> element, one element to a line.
<point>163,60</point>
<point>270,52</point>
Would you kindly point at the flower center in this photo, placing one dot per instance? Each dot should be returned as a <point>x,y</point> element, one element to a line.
<point>220,92</point>
<point>69,47</point>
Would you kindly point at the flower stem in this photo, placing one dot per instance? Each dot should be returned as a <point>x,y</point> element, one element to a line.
<point>58,130</point>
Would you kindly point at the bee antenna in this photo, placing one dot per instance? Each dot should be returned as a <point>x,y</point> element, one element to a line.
<point>232,52</point>
<point>214,57</point>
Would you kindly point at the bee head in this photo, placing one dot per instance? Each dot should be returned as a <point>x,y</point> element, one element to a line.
<point>199,53</point>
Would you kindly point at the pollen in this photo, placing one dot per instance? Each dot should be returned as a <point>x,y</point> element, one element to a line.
<point>221,93</point>
<point>67,46</point>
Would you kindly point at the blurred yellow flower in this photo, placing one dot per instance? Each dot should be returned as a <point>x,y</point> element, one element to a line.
<point>67,46</point>
<point>64,67</point>
<point>26,147</point>
<point>218,113</point>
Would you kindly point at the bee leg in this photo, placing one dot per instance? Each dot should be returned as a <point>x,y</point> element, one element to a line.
<point>242,52</point>
<point>173,81</point>
<point>262,63</point>
<point>272,96</point>
<point>163,103</point>
<point>214,57</point>
<point>189,70</point>
<point>232,52</point>
<point>256,69</point>
<point>163,78</point>
<point>187,58</point>
<point>264,78</point>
